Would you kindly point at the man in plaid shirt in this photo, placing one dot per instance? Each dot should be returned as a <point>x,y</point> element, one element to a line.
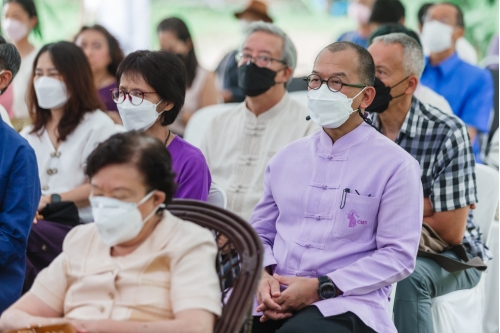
<point>440,142</point>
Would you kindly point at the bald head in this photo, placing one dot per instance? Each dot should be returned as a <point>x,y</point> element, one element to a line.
<point>362,60</point>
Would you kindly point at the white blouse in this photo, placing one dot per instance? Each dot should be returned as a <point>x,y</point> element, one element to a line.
<point>62,169</point>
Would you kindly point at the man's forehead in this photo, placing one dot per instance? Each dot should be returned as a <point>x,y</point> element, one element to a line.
<point>442,9</point>
<point>388,52</point>
<point>340,63</point>
<point>263,40</point>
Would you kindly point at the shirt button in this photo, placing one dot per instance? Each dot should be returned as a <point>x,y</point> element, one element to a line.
<point>317,217</point>
<point>307,245</point>
<point>324,187</point>
<point>330,157</point>
<point>45,188</point>
<point>44,247</point>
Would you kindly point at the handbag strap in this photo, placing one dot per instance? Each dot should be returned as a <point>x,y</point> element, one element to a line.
<point>453,265</point>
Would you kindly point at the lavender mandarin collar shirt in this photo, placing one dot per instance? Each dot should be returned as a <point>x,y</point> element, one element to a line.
<point>310,226</point>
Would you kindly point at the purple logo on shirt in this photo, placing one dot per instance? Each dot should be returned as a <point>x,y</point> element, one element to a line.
<point>352,219</point>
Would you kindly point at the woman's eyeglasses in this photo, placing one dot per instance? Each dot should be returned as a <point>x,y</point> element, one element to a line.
<point>135,96</point>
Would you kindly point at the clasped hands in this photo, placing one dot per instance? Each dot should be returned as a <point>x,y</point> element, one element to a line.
<point>276,304</point>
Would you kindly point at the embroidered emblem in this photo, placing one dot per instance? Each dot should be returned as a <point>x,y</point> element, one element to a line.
<point>352,219</point>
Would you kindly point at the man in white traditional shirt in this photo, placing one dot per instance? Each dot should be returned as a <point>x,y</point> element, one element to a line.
<point>240,141</point>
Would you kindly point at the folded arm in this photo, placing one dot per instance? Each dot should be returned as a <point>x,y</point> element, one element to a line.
<point>450,225</point>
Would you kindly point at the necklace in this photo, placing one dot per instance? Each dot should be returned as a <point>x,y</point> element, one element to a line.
<point>168,137</point>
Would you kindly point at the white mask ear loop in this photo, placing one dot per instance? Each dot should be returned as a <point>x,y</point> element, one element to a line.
<point>143,200</point>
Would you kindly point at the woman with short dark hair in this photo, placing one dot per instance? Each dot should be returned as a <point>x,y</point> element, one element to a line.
<point>137,268</point>
<point>149,97</point>
<point>104,54</point>
<point>67,123</point>
<point>174,36</point>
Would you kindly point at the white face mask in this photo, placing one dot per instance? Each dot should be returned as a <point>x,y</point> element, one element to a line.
<point>14,29</point>
<point>50,92</point>
<point>436,36</point>
<point>118,221</point>
<point>138,117</point>
<point>359,12</point>
<point>329,109</point>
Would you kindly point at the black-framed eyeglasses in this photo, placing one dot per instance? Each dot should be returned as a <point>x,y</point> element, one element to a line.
<point>261,60</point>
<point>314,81</point>
<point>119,95</point>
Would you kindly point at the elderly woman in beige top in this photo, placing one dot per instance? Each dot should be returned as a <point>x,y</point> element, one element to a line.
<point>137,268</point>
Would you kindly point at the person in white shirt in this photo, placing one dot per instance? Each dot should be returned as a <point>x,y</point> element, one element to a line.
<point>67,123</point>
<point>240,141</point>
<point>19,18</point>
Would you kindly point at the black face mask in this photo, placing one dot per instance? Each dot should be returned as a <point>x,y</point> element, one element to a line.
<point>255,80</point>
<point>383,96</point>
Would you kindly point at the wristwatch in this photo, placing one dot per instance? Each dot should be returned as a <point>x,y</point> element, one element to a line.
<point>326,288</point>
<point>55,198</point>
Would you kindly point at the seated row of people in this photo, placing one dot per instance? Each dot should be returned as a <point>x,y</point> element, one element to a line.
<point>345,187</point>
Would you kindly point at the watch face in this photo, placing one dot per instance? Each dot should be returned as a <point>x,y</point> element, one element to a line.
<point>327,291</point>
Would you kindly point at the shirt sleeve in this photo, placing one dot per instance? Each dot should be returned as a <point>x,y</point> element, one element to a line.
<point>21,197</point>
<point>264,218</point>
<point>194,182</point>
<point>51,283</point>
<point>397,236</point>
<point>453,185</point>
<point>479,103</point>
<point>195,284</point>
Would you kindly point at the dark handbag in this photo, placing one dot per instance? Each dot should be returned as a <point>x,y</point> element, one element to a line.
<point>64,212</point>
<point>432,245</point>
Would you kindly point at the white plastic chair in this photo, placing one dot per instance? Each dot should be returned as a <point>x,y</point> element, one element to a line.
<point>462,310</point>
<point>487,195</point>
<point>391,300</point>
<point>199,121</point>
<point>491,311</point>
<point>217,196</point>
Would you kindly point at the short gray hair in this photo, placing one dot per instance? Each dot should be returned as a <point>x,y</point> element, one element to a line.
<point>288,52</point>
<point>413,56</point>
<point>10,59</point>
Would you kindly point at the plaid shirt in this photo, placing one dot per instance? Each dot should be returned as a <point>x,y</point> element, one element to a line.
<point>440,143</point>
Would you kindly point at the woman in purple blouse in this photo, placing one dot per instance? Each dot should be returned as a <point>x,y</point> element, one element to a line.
<point>150,94</point>
<point>104,55</point>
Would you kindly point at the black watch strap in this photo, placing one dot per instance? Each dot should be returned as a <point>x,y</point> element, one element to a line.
<point>55,198</point>
<point>324,279</point>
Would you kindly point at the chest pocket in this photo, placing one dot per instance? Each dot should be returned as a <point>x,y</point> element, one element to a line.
<point>357,219</point>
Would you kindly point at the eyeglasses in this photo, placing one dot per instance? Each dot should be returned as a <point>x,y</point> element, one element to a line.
<point>261,61</point>
<point>314,81</point>
<point>119,96</point>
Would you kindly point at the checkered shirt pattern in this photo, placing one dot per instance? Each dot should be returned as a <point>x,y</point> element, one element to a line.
<point>440,143</point>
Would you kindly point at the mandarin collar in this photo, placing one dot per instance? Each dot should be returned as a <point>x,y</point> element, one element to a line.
<point>349,140</point>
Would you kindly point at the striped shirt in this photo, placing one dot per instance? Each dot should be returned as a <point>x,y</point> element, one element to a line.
<point>239,144</point>
<point>441,144</point>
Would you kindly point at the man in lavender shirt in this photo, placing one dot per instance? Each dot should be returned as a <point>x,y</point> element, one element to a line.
<point>340,216</point>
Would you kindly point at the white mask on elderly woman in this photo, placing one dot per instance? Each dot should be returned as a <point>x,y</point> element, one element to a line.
<point>138,117</point>
<point>118,221</point>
